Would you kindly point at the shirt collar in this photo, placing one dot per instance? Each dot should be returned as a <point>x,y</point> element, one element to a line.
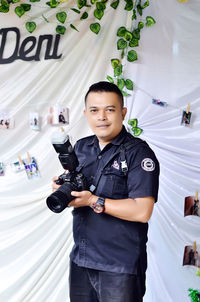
<point>116,141</point>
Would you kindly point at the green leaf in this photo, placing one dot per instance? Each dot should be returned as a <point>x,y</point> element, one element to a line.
<point>129,84</point>
<point>136,34</point>
<point>140,25</point>
<point>139,9</point>
<point>128,36</point>
<point>34,0</point>
<point>73,27</point>
<point>145,4</point>
<point>129,5</point>
<point>100,6</point>
<point>60,29</point>
<point>19,11</point>
<point>26,7</point>
<point>121,44</point>
<point>132,56</point>
<point>122,54</point>
<point>30,26</point>
<point>137,131</point>
<point>76,10</point>
<point>5,6</point>
<point>15,1</point>
<point>115,4</point>
<point>134,43</point>
<point>53,3</point>
<point>134,16</point>
<point>121,31</point>
<point>115,62</point>
<point>125,93</point>
<point>95,27</point>
<point>150,21</point>
<point>98,13</point>
<point>84,16</point>
<point>93,1</point>
<point>81,3</point>
<point>120,83</point>
<point>133,122</point>
<point>117,71</point>
<point>61,17</point>
<point>110,79</point>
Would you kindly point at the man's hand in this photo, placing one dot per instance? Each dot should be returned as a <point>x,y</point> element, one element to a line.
<point>82,199</point>
<point>54,185</point>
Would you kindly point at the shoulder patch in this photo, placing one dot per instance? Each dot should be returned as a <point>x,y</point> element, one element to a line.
<point>148,164</point>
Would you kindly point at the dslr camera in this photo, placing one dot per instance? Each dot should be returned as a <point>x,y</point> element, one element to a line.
<point>72,181</point>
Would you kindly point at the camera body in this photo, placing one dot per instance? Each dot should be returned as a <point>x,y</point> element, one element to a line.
<point>72,181</point>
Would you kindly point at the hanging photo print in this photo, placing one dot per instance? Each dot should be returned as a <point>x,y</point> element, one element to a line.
<point>34,121</point>
<point>191,255</point>
<point>6,122</point>
<point>31,167</point>
<point>1,169</point>
<point>58,115</point>
<point>17,166</point>
<point>158,102</point>
<point>186,117</point>
<point>192,206</point>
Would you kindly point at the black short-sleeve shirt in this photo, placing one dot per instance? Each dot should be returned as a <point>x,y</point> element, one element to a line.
<point>102,241</point>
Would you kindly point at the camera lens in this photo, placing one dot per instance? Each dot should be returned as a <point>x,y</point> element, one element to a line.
<point>60,199</point>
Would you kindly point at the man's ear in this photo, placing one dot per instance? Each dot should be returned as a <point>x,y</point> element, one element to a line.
<point>84,112</point>
<point>124,111</point>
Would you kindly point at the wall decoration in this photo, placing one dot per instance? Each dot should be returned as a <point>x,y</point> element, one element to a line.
<point>31,167</point>
<point>58,115</point>
<point>134,127</point>
<point>192,205</point>
<point>186,117</point>
<point>191,255</point>
<point>194,294</point>
<point>6,121</point>
<point>34,121</point>
<point>1,169</point>
<point>17,166</point>
<point>159,102</point>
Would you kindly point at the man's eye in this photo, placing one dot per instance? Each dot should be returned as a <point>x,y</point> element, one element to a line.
<point>110,110</point>
<point>93,110</point>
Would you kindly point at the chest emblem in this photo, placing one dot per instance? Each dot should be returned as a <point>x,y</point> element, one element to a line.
<point>115,165</point>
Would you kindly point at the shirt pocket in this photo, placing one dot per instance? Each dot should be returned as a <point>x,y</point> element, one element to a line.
<point>114,183</point>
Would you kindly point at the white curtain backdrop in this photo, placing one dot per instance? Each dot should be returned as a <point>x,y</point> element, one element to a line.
<point>34,242</point>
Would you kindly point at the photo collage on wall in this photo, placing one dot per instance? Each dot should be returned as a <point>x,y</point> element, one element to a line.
<point>192,253</point>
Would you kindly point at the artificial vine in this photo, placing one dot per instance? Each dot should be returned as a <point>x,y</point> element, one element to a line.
<point>194,294</point>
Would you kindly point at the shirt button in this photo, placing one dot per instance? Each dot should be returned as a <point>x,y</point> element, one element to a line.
<point>100,156</point>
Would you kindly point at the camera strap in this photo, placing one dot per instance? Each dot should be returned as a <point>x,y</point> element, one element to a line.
<point>123,148</point>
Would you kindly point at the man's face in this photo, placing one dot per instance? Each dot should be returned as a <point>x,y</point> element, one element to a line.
<point>105,115</point>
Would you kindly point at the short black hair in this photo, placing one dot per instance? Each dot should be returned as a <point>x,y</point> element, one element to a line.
<point>104,86</point>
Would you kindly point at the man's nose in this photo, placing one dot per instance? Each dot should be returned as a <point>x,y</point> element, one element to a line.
<point>102,115</point>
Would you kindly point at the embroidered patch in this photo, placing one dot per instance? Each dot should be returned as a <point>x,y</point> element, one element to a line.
<point>148,164</point>
<point>115,165</point>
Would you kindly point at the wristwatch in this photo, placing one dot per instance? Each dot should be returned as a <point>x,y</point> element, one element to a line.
<point>98,206</point>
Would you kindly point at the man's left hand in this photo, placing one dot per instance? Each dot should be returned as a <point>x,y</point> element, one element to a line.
<point>82,199</point>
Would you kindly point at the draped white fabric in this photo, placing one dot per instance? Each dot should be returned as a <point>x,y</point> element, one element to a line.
<point>34,242</point>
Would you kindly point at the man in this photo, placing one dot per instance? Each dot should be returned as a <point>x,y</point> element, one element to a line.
<point>108,260</point>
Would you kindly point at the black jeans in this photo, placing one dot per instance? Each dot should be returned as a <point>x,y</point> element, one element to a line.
<point>90,285</point>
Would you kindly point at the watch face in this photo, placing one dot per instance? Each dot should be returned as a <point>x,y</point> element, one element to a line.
<point>98,208</point>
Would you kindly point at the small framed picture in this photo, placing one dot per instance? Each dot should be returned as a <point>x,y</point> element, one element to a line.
<point>191,256</point>
<point>31,168</point>
<point>186,118</point>
<point>58,115</point>
<point>34,121</point>
<point>191,206</point>
<point>2,169</point>
<point>6,122</point>
<point>17,166</point>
